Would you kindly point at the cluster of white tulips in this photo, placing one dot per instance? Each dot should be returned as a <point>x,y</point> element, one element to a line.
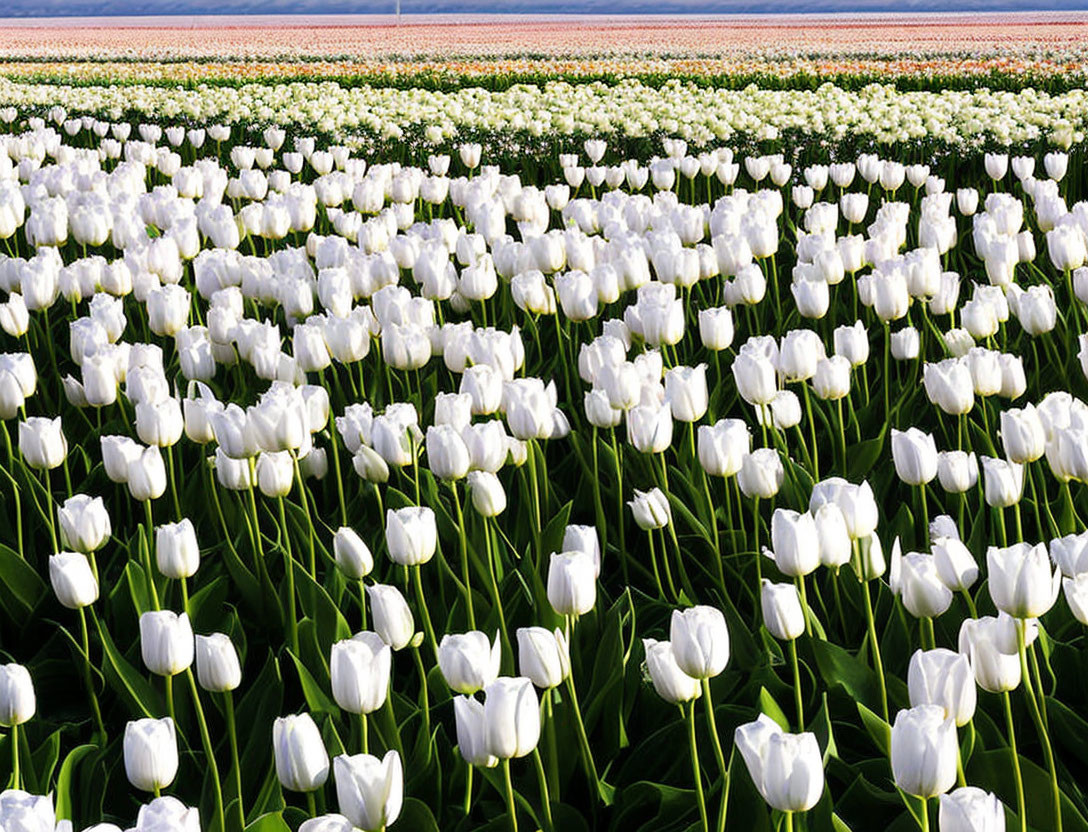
<point>290,370</point>
<point>372,116</point>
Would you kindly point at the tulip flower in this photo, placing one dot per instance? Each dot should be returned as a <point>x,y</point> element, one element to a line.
<point>572,583</point>
<point>370,791</point>
<point>543,656</point>
<point>151,753</point>
<point>302,763</point>
<point>176,551</point>
<point>787,769</point>
<point>84,523</point>
<point>1021,580</point>
<point>217,666</point>
<point>971,809</point>
<point>166,642</point>
<point>942,677</point>
<point>42,443</point>
<point>352,555</point>
<point>469,663</point>
<point>923,751</point>
<point>393,620</point>
<point>411,535</point>
<point>72,579</point>
<point>471,733</point>
<point>511,717</point>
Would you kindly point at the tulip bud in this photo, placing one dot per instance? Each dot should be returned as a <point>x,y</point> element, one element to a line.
<point>511,717</point>
<point>359,670</point>
<point>176,551</point>
<point>302,763</point>
<point>957,471</point>
<point>686,392</point>
<point>700,641</point>
<point>572,583</point>
<point>166,642</point>
<point>1004,482</point>
<point>543,656</point>
<point>151,753</point>
<point>393,620</point>
<point>956,565</point>
<point>782,613</point>
<point>943,677</point>
<point>915,455</point>
<point>833,536</point>
<point>17,700</point>
<point>970,809</point>
<point>352,555</point>
<point>670,682</point>
<point>923,593</point>
<point>995,669</point>
<point>73,581</point>
<point>723,446</point>
<point>761,474</point>
<point>447,454</point>
<point>795,541</point>
<point>787,769</point>
<point>147,475</point>
<point>84,523</point>
<point>42,443</point>
<point>651,509</point>
<point>924,751</point>
<point>1021,580</point>
<point>217,667</point>
<point>468,662</point>
<point>488,495</point>
<point>411,535</point>
<point>1022,435</point>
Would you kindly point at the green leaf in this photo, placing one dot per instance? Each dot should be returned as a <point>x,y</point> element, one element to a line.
<point>269,822</point>
<point>316,699</point>
<point>878,729</point>
<point>64,779</point>
<point>21,588</point>
<point>125,679</point>
<point>771,708</point>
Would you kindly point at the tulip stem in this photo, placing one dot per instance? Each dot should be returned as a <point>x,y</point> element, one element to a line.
<point>587,752</point>
<point>535,488</point>
<point>464,555</point>
<point>812,431</point>
<point>87,677</point>
<point>789,821</point>
<point>169,685</point>
<point>925,516</point>
<point>553,748</point>
<point>365,733</point>
<point>306,511</point>
<point>542,781</point>
<point>427,626</point>
<point>718,755</point>
<point>468,791</point>
<point>492,556</point>
<point>209,750</point>
<point>311,804</point>
<point>1040,724</point>
<point>797,699</point>
<point>232,734</point>
<point>1021,810</point>
<point>925,814</point>
<point>598,505</point>
<point>689,715</point>
<point>970,602</point>
<point>800,579</point>
<point>511,809</point>
<point>874,645</point>
<point>424,696</point>
<point>289,573</point>
<point>52,512</point>
<point>928,637</point>
<point>619,498</point>
<point>173,482</point>
<point>149,527</point>
<point>13,738</point>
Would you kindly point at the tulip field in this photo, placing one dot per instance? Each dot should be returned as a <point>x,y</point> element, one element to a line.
<point>620,449</point>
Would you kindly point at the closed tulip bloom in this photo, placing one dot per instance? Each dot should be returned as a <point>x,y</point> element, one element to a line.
<point>995,669</point>
<point>302,763</point>
<point>166,642</point>
<point>957,471</point>
<point>1021,580</point>
<point>686,393</point>
<point>411,535</point>
<point>84,523</point>
<point>716,328</point>
<point>447,454</point>
<point>906,344</point>
<point>761,474</point>
<point>392,618</point>
<point>671,683</point>
<point>832,379</point>
<point>649,428</point>
<point>923,593</point>
<point>971,809</point>
<point>471,732</point>
<point>359,669</point>
<point>17,700</point>
<point>651,509</point>
<point>948,385</point>
<point>543,656</point>
<point>852,343</point>
<point>73,581</point>
<point>943,677</point>
<point>1003,482</point>
<point>723,446</point>
<point>469,663</point>
<point>352,554</point>
<point>275,473</point>
<point>42,443</point>
<point>924,751</point>
<point>833,536</point>
<point>787,769</point>
<point>217,667</point>
<point>915,455</point>
<point>1022,434</point>
<point>579,538</point>
<point>176,551</point>
<point>151,753</point>
<point>700,641</point>
<point>326,823</point>
<point>147,475</point>
<point>26,812</point>
<point>795,542</point>
<point>782,613</point>
<point>955,564</point>
<point>755,378</point>
<point>1076,596</point>
<point>511,717</point>
<point>1070,553</point>
<point>572,583</point>
<point>488,495</point>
